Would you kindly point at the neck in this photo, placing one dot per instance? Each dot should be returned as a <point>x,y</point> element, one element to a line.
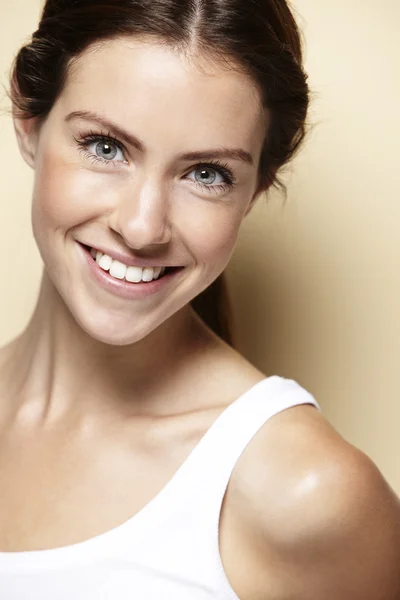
<point>54,368</point>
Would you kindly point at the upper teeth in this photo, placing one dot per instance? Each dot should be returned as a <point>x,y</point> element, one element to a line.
<point>121,271</point>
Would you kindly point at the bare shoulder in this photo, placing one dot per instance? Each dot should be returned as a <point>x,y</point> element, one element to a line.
<point>307,498</point>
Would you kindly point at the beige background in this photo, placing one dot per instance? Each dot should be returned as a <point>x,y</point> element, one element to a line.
<point>315,281</point>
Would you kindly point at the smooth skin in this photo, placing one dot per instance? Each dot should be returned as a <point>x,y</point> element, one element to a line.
<point>99,392</point>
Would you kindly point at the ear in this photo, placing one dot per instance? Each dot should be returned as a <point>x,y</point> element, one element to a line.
<point>27,137</point>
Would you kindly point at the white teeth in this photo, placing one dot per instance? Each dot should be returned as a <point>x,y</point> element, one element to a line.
<point>121,271</point>
<point>148,273</point>
<point>105,262</point>
<point>134,274</point>
<point>118,270</point>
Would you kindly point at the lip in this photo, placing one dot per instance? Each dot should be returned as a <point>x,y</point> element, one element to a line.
<point>120,287</point>
<point>129,261</point>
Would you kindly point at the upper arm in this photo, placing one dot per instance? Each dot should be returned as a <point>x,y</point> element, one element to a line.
<point>318,520</point>
<point>347,541</point>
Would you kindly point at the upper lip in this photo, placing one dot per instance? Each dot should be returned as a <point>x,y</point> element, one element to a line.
<point>128,260</point>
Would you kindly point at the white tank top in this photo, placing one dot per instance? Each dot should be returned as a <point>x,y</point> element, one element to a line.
<point>169,549</point>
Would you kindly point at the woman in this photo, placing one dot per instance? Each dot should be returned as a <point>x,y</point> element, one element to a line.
<point>141,455</point>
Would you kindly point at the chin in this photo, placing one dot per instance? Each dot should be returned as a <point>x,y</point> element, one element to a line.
<point>112,328</point>
<point>117,326</point>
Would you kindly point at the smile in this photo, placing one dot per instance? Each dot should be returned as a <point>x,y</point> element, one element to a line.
<point>131,282</point>
<point>118,270</point>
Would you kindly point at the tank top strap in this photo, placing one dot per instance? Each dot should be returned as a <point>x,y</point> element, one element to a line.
<point>190,511</point>
<point>215,457</point>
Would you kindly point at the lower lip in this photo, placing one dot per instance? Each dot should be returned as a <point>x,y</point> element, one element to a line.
<point>123,288</point>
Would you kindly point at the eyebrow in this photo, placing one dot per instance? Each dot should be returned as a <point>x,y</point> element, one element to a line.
<point>232,153</point>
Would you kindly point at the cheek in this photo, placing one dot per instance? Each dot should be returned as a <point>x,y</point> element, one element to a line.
<point>66,195</point>
<point>213,236</point>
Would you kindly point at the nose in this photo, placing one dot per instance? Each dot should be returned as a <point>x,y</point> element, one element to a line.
<point>141,216</point>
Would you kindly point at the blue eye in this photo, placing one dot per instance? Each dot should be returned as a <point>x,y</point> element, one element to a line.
<point>207,175</point>
<point>106,148</point>
<point>210,172</point>
<point>109,150</point>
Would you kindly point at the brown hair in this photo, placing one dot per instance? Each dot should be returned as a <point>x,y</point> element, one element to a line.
<point>260,37</point>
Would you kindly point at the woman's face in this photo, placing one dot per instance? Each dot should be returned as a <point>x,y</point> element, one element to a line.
<point>124,165</point>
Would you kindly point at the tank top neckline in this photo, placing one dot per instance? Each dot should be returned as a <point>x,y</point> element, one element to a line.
<point>98,545</point>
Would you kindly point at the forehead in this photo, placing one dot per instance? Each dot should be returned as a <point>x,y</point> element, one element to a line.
<point>145,84</point>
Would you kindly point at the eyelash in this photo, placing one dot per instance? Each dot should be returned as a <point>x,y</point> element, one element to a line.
<point>221,168</point>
